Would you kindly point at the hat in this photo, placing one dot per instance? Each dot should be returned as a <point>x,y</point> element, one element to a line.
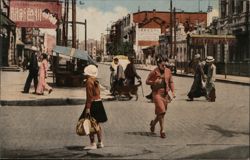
<point>197,56</point>
<point>209,59</point>
<point>34,48</point>
<point>91,70</point>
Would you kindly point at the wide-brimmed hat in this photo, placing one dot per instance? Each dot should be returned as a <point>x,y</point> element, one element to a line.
<point>209,59</point>
<point>197,56</point>
<point>91,70</point>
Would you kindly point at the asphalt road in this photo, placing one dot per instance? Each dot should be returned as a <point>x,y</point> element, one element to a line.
<point>197,129</point>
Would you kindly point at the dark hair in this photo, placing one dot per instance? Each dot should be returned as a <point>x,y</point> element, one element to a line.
<point>116,59</point>
<point>161,58</point>
<point>45,56</point>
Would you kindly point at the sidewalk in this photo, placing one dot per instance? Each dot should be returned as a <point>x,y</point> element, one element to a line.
<point>12,83</point>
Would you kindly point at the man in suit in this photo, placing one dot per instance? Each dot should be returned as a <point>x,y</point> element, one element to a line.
<point>33,72</point>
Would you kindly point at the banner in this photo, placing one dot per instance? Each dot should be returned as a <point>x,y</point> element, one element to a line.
<point>35,14</point>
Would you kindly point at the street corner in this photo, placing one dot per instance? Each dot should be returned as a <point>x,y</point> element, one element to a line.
<point>118,151</point>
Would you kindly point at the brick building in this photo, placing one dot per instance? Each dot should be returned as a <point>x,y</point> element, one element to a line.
<point>142,29</point>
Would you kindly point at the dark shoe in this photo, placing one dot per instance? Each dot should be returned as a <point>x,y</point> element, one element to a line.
<point>150,96</point>
<point>33,92</point>
<point>39,93</point>
<point>152,127</point>
<point>163,135</point>
<point>25,92</point>
<point>50,91</point>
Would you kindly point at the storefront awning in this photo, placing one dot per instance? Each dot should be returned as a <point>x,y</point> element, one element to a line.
<point>5,21</point>
<point>75,53</point>
<point>212,39</point>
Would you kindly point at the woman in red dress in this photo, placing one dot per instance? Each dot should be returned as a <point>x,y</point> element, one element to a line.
<point>161,81</point>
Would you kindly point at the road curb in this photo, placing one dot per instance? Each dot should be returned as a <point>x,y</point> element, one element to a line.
<point>48,102</point>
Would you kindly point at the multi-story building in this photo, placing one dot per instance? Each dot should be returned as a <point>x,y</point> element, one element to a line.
<point>142,29</point>
<point>234,19</point>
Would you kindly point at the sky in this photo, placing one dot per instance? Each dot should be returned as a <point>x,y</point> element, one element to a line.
<point>101,13</point>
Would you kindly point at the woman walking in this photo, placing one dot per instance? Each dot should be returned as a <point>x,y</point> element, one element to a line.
<point>161,81</point>
<point>197,90</point>
<point>42,84</point>
<point>94,106</point>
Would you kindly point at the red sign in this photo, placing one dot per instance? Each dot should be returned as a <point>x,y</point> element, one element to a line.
<point>35,14</point>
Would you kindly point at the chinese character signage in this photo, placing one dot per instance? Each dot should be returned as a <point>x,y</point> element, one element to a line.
<point>35,14</point>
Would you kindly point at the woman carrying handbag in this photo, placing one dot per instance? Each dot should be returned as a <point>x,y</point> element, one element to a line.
<point>94,106</point>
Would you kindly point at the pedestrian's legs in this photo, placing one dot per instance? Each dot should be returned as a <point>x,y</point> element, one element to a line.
<point>35,81</point>
<point>99,134</point>
<point>161,122</point>
<point>27,83</point>
<point>92,137</point>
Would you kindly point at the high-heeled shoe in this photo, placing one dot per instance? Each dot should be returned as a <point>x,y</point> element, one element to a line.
<point>152,127</point>
<point>50,91</point>
<point>163,134</point>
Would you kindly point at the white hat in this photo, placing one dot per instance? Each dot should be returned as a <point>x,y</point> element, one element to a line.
<point>91,70</point>
<point>197,56</point>
<point>209,59</point>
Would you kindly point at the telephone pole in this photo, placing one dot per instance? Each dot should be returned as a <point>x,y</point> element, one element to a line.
<point>171,28</point>
<point>73,23</point>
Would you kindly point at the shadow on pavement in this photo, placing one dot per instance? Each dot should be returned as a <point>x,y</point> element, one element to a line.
<point>73,152</point>
<point>148,134</point>
<point>223,132</point>
<point>238,152</point>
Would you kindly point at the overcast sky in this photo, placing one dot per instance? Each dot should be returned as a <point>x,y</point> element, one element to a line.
<point>101,13</point>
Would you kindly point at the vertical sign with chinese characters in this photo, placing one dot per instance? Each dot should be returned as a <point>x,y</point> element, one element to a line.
<point>35,14</point>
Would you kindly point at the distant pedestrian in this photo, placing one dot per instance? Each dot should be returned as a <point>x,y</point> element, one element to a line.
<point>117,74</point>
<point>43,68</point>
<point>197,89</point>
<point>94,106</point>
<point>33,72</point>
<point>162,83</point>
<point>130,73</point>
<point>210,79</point>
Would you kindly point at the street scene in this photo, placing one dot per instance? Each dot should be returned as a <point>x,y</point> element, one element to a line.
<point>141,79</point>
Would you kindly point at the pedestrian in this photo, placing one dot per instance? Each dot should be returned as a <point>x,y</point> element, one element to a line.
<point>117,74</point>
<point>210,79</point>
<point>197,89</point>
<point>93,105</point>
<point>33,71</point>
<point>130,73</point>
<point>162,83</point>
<point>43,68</point>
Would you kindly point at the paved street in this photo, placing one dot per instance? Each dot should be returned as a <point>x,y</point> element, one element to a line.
<point>197,129</point>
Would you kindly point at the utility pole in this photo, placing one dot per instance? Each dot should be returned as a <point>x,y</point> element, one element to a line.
<point>85,22</point>
<point>174,22</point>
<point>171,28</point>
<point>73,23</point>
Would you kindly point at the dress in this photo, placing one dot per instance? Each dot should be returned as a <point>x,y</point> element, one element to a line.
<point>93,100</point>
<point>42,84</point>
<point>197,90</point>
<point>160,91</point>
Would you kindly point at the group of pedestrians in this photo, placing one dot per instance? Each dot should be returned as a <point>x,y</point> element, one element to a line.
<point>122,77</point>
<point>37,66</point>
<point>204,78</point>
<point>161,81</point>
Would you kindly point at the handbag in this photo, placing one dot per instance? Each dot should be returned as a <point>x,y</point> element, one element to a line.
<point>86,125</point>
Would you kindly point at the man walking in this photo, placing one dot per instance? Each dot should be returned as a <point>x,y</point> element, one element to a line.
<point>33,71</point>
<point>130,73</point>
<point>210,75</point>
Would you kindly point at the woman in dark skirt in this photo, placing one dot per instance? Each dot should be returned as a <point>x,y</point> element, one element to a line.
<point>94,106</point>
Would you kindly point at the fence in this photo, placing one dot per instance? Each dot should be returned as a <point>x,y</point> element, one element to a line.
<point>233,68</point>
